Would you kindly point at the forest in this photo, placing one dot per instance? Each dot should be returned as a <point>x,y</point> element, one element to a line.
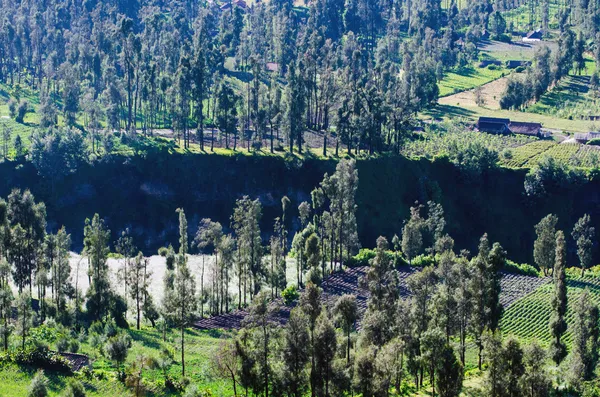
<point>299,198</point>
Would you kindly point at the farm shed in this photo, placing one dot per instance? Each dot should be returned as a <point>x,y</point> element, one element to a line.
<point>534,35</point>
<point>493,125</point>
<point>524,128</point>
<point>487,62</point>
<point>581,137</point>
<point>513,64</point>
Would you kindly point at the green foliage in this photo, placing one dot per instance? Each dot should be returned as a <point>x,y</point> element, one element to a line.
<point>290,295</point>
<point>37,357</point>
<point>38,386</point>
<point>522,268</point>
<point>75,389</point>
<point>362,258</point>
<point>423,260</point>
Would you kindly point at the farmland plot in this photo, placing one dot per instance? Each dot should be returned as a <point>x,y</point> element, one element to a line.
<point>528,318</point>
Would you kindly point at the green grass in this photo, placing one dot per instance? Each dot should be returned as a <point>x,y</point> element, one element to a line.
<point>472,113</point>
<point>528,318</point>
<point>200,348</point>
<point>467,79</point>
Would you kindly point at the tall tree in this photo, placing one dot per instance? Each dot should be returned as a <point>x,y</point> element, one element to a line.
<point>583,234</point>
<point>181,301</point>
<point>558,325</point>
<point>544,247</point>
<point>95,241</point>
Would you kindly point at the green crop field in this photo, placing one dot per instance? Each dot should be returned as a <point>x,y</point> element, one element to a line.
<point>528,318</point>
<point>467,79</point>
<point>520,156</point>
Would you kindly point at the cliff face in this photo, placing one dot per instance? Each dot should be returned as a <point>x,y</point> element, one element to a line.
<point>142,193</point>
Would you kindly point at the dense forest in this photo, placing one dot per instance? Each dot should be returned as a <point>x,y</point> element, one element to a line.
<point>288,198</point>
<point>262,74</point>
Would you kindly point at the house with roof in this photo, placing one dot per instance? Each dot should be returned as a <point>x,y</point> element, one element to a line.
<point>493,125</point>
<point>534,35</point>
<point>513,64</point>
<point>525,128</point>
<point>238,3</point>
<point>586,137</point>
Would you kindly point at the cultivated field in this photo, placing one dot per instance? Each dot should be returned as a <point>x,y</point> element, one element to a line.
<point>528,318</point>
<point>490,93</point>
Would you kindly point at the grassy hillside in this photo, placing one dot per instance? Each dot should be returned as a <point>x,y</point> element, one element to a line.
<point>200,347</point>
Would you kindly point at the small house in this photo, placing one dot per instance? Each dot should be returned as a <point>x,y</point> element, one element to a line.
<point>534,35</point>
<point>493,125</point>
<point>488,62</point>
<point>524,128</point>
<point>513,64</point>
<point>586,137</point>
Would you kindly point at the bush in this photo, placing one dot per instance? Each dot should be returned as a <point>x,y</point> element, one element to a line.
<point>62,345</point>
<point>423,261</point>
<point>194,391</point>
<point>38,386</point>
<point>524,269</point>
<point>75,389</point>
<point>12,108</point>
<point>39,357</point>
<point>492,67</point>
<point>362,258</point>
<point>290,295</point>
<point>74,346</point>
<point>22,111</point>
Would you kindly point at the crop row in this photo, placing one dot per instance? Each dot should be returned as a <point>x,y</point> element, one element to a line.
<point>528,318</point>
<point>523,154</point>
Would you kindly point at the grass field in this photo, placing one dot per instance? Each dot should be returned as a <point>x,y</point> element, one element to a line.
<point>467,79</point>
<point>200,347</point>
<point>472,113</point>
<point>528,318</point>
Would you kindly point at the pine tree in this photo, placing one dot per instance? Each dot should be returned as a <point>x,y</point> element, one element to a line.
<point>24,316</point>
<point>295,353</point>
<point>558,325</point>
<point>180,302</point>
<point>583,234</point>
<point>96,237</point>
<point>544,247</point>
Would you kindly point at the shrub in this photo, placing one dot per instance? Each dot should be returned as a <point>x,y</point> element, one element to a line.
<point>62,344</point>
<point>423,261</point>
<point>39,357</point>
<point>22,111</point>
<point>362,258</point>
<point>38,386</point>
<point>75,389</point>
<point>74,346</point>
<point>194,391</point>
<point>492,67</point>
<point>524,269</point>
<point>290,295</point>
<point>12,108</point>
<point>110,328</point>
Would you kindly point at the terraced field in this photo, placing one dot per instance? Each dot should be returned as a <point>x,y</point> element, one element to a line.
<point>528,155</point>
<point>528,318</point>
<point>523,154</point>
<point>514,287</point>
